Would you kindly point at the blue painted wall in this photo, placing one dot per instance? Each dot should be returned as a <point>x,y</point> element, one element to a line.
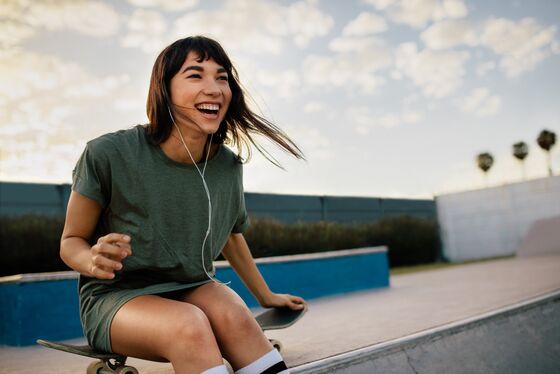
<point>50,310</point>
<point>51,199</point>
<point>32,310</point>
<point>317,278</point>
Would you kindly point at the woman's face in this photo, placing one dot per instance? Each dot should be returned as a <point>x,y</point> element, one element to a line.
<point>201,91</point>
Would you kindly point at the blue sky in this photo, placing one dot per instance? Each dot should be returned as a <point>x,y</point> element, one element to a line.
<point>391,98</point>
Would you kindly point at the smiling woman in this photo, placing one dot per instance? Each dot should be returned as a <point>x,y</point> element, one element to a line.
<point>194,62</point>
<point>152,207</point>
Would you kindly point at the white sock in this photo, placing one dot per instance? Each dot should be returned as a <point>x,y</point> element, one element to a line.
<point>261,364</point>
<point>220,369</point>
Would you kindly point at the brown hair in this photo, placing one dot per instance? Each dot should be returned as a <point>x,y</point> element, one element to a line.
<point>239,124</point>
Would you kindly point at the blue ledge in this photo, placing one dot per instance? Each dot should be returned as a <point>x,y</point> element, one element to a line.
<point>46,305</point>
<point>316,275</point>
<point>37,305</point>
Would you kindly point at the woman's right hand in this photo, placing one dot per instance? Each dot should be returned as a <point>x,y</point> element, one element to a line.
<point>107,255</point>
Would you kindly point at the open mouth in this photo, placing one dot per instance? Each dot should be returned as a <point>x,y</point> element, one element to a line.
<point>211,109</point>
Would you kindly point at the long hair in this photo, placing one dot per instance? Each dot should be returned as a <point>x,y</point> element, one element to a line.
<point>239,124</point>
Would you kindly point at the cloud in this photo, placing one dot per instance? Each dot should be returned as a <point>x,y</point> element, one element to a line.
<point>284,83</point>
<point>312,141</point>
<point>359,44</point>
<point>38,161</point>
<point>555,47</point>
<point>418,13</point>
<point>438,73</point>
<point>364,121</point>
<point>484,67</point>
<point>22,20</point>
<point>146,30</point>
<point>258,26</point>
<point>314,107</point>
<point>354,65</point>
<point>521,45</point>
<point>250,27</point>
<point>449,33</point>
<point>236,32</point>
<point>481,103</point>
<point>450,9</point>
<point>13,33</point>
<point>91,18</point>
<point>51,103</point>
<point>327,112</point>
<point>380,4</point>
<point>366,23</point>
<point>306,21</point>
<point>169,5</point>
<point>41,91</point>
<point>341,72</point>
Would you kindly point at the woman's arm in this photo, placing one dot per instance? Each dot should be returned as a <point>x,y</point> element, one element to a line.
<point>100,260</point>
<point>237,252</point>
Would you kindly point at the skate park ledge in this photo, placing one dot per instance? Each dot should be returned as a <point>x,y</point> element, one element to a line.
<point>45,305</point>
<point>517,339</point>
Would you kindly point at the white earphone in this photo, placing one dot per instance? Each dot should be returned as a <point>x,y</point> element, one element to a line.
<point>201,173</point>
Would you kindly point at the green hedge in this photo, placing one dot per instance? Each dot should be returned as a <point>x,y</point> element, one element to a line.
<point>410,240</point>
<point>31,243</point>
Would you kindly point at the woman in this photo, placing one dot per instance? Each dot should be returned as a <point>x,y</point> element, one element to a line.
<point>151,207</point>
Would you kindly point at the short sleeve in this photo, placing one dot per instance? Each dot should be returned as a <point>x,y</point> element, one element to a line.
<point>242,221</point>
<point>89,177</point>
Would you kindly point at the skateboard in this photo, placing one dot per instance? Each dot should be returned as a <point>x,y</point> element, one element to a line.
<point>112,363</point>
<point>278,318</point>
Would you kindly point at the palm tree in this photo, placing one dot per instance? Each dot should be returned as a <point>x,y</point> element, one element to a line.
<point>485,162</point>
<point>520,151</point>
<point>546,141</point>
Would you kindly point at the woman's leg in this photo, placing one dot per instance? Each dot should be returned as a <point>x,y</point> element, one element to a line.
<point>160,329</point>
<point>238,334</point>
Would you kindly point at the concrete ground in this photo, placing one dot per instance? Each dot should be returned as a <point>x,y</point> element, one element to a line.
<point>415,302</point>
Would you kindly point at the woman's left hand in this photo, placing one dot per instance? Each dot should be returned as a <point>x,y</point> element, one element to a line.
<point>276,300</point>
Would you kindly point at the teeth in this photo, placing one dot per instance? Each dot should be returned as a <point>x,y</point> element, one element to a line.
<point>208,106</point>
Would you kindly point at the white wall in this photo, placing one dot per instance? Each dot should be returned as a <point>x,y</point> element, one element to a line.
<point>492,222</point>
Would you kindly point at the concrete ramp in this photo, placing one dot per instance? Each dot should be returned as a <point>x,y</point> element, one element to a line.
<point>543,238</point>
<point>499,316</point>
<point>522,338</point>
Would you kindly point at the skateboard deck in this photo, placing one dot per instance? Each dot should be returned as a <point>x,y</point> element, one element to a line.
<point>279,318</point>
<point>112,363</point>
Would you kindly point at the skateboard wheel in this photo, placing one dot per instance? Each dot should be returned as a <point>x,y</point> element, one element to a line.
<point>276,344</point>
<point>126,370</point>
<point>95,367</point>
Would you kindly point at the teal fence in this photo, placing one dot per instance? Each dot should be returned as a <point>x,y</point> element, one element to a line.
<point>51,199</point>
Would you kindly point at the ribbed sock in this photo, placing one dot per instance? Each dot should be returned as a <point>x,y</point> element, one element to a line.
<point>270,363</point>
<point>220,369</point>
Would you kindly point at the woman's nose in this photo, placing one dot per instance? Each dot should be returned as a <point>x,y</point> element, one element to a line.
<point>211,89</point>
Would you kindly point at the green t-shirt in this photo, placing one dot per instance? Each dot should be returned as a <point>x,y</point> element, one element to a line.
<point>162,205</point>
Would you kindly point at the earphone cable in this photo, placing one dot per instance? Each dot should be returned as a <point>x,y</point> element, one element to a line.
<point>201,173</point>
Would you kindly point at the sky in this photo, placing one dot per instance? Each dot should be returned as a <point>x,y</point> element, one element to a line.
<point>387,98</point>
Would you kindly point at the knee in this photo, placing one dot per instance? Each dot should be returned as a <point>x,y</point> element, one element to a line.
<point>237,318</point>
<point>192,329</point>
<point>194,325</point>
<point>192,341</point>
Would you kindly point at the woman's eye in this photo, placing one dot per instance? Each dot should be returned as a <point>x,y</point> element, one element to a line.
<point>194,76</point>
<point>224,78</point>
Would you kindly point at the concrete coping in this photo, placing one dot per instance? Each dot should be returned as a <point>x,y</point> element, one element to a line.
<point>342,359</point>
<point>312,256</point>
<point>39,277</point>
<point>64,275</point>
